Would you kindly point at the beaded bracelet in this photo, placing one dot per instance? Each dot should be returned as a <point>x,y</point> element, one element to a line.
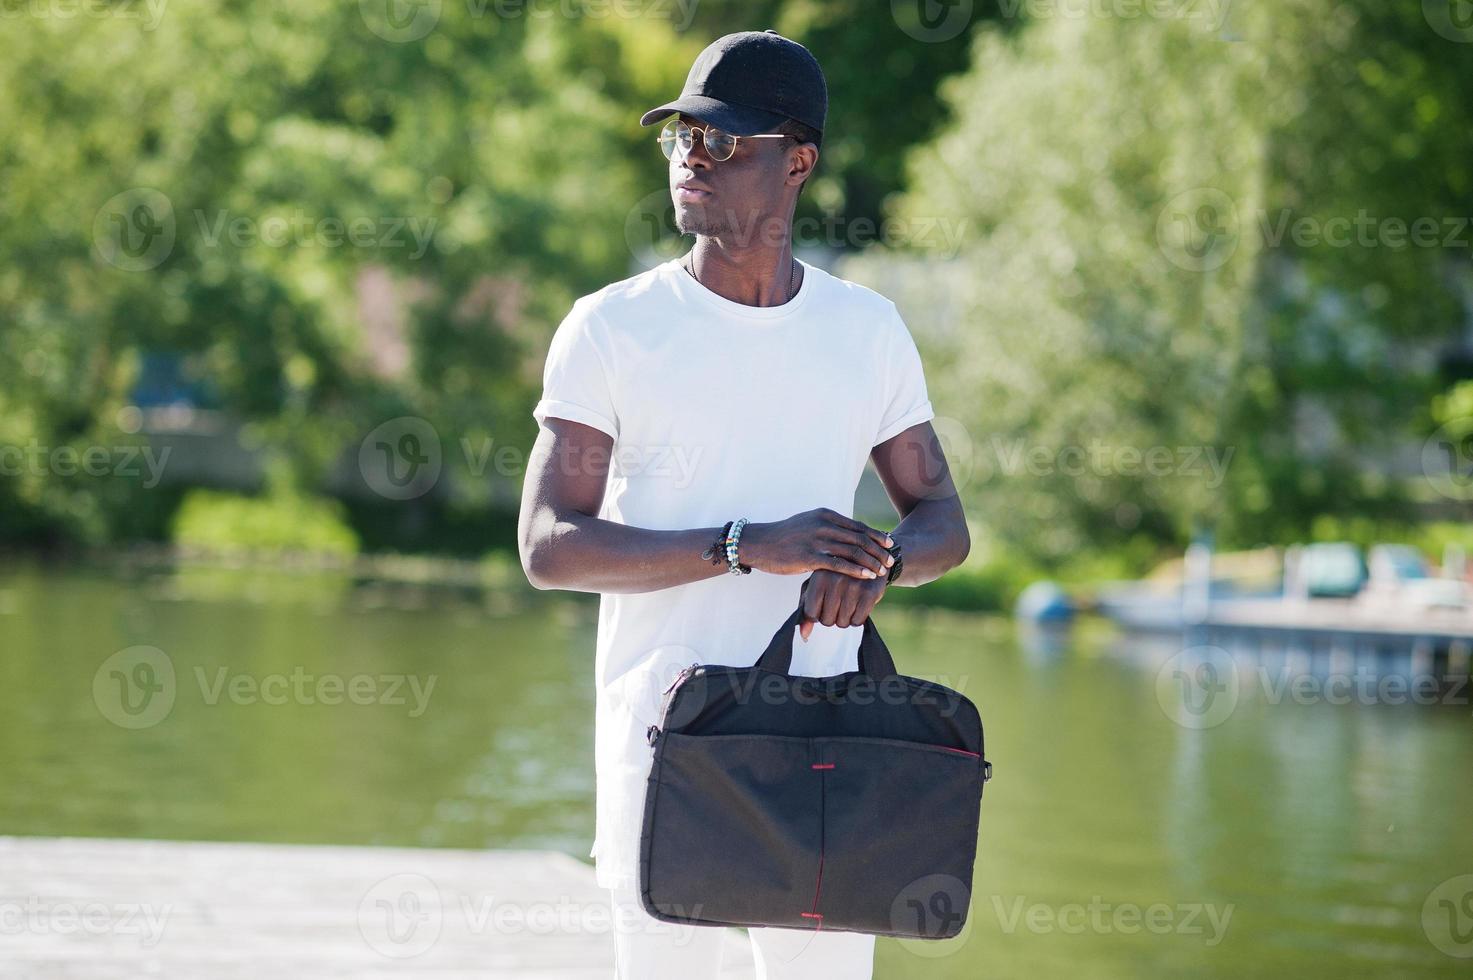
<point>714,553</point>
<point>734,566</point>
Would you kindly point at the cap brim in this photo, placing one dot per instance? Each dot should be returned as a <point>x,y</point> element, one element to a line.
<point>738,120</point>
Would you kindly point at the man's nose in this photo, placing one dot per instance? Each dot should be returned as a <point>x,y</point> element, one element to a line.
<point>698,155</point>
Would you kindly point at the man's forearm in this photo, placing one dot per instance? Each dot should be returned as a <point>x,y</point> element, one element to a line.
<point>933,540</point>
<point>581,553</point>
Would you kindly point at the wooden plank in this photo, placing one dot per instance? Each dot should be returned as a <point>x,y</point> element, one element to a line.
<point>126,909</point>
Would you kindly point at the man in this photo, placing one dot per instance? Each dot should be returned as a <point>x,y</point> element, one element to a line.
<point>734,383</point>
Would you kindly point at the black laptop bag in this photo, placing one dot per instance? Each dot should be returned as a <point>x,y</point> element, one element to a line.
<point>846,803</point>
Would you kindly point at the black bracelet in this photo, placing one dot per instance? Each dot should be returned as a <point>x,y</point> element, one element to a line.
<point>895,568</point>
<point>716,553</point>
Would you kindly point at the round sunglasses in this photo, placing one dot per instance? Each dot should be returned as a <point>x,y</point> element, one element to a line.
<point>677,139</point>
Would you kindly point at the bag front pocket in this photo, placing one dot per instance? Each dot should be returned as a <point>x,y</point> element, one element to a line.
<point>899,835</point>
<point>733,829</point>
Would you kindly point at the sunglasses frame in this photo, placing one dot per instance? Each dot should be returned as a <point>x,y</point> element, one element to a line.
<point>704,131</point>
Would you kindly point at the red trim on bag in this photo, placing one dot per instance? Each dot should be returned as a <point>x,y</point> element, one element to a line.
<point>818,885</point>
<point>975,755</point>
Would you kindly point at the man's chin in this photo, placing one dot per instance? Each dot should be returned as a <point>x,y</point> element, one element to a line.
<point>694,221</point>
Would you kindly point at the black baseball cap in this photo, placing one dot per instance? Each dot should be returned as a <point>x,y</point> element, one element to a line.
<point>750,82</point>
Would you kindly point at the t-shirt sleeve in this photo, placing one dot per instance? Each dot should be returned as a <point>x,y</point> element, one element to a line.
<point>906,400</point>
<point>575,379</point>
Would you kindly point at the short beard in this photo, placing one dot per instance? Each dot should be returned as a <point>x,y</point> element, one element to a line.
<point>702,223</point>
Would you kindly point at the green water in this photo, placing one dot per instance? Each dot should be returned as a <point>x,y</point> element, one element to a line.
<point>1293,839</point>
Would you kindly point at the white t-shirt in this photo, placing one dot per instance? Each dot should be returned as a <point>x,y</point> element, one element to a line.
<point>718,411</point>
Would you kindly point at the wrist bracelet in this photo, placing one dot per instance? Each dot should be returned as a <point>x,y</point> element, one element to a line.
<point>716,552</point>
<point>899,561</point>
<point>733,564</point>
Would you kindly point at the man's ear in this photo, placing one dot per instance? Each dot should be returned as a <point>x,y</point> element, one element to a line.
<point>801,161</point>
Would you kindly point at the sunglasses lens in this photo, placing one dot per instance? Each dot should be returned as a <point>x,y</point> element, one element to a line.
<point>673,142</point>
<point>720,145</point>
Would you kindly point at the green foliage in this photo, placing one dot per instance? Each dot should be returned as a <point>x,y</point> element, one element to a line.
<point>216,522</point>
<point>1120,184</point>
<point>366,228</point>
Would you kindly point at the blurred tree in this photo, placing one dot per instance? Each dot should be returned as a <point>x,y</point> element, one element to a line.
<point>1123,288</point>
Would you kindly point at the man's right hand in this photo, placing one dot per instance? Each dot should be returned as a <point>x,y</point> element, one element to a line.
<point>815,539</point>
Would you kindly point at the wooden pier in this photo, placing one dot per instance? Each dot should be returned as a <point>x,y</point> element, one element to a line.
<point>102,909</point>
<point>1343,633</point>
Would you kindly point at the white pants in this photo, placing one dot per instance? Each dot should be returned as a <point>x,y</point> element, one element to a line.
<point>647,949</point>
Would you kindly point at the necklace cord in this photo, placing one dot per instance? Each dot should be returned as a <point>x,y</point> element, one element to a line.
<point>792,278</point>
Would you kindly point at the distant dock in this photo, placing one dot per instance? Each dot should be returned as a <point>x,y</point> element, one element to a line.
<point>1344,632</point>
<point>104,909</point>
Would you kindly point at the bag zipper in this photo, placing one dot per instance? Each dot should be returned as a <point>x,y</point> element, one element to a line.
<point>652,733</point>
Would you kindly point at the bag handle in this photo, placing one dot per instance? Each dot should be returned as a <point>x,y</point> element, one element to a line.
<point>874,656</point>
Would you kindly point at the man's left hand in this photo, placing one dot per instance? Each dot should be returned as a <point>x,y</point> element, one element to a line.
<point>838,600</point>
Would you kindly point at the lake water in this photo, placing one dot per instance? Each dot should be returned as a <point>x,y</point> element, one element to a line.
<point>1120,837</point>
